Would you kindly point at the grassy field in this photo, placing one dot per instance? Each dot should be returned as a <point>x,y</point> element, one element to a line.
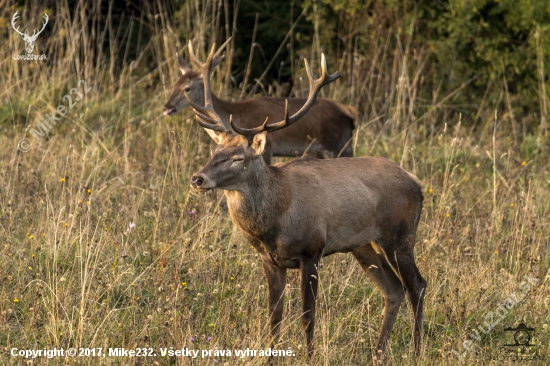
<point>104,244</point>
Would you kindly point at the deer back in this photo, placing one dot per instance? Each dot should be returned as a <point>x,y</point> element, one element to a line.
<point>328,125</point>
<point>343,203</point>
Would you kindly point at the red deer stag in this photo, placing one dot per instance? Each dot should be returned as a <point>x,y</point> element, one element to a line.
<point>326,130</point>
<point>297,212</point>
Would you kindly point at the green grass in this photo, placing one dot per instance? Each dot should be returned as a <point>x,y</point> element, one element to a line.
<point>74,275</point>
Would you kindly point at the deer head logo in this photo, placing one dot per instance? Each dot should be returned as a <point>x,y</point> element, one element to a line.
<point>29,40</point>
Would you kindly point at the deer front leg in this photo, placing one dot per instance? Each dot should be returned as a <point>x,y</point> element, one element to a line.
<point>309,281</point>
<point>276,278</point>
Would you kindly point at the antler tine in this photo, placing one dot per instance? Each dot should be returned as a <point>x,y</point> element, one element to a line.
<point>250,132</point>
<point>206,116</point>
<point>36,32</point>
<point>207,67</point>
<point>46,18</point>
<point>315,85</point>
<point>13,20</point>
<point>213,59</point>
<point>192,54</point>
<point>217,56</point>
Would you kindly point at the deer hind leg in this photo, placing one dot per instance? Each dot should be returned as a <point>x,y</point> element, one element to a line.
<point>378,269</point>
<point>417,301</point>
<point>309,279</point>
<point>403,263</point>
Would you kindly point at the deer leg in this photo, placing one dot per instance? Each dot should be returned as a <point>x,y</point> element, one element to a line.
<point>417,302</point>
<point>415,284</point>
<point>276,278</point>
<point>309,279</point>
<point>380,272</point>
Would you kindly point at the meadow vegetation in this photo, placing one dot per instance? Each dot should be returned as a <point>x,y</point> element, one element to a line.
<point>104,244</point>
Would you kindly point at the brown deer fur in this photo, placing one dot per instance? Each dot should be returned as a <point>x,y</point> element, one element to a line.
<point>326,130</point>
<point>295,213</point>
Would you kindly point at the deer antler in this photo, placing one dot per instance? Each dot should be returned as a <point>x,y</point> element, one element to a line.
<point>206,116</point>
<point>25,35</point>
<point>35,34</point>
<point>13,20</point>
<point>315,86</point>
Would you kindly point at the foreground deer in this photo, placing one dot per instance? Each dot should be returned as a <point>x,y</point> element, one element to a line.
<point>295,213</point>
<point>326,129</point>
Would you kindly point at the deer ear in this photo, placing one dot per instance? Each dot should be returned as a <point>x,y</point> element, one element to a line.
<point>258,143</point>
<point>184,66</point>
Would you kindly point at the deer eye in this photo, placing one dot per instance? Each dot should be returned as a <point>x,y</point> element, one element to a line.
<point>187,89</point>
<point>237,158</point>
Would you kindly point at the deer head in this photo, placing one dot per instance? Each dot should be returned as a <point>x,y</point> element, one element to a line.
<point>190,83</point>
<point>29,40</point>
<point>238,155</point>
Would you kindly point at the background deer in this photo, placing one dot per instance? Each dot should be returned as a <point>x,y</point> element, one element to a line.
<point>326,130</point>
<point>295,213</point>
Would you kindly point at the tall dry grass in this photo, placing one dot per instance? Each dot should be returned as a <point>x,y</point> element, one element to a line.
<point>76,272</point>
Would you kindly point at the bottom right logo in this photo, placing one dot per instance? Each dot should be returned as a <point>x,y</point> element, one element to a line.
<point>521,347</point>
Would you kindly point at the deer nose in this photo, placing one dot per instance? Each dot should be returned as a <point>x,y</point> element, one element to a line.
<point>197,181</point>
<point>168,110</point>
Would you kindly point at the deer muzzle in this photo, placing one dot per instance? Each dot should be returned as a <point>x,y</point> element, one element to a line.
<point>168,111</point>
<point>197,181</point>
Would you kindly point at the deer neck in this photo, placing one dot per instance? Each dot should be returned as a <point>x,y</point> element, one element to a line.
<point>258,203</point>
<point>217,102</point>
